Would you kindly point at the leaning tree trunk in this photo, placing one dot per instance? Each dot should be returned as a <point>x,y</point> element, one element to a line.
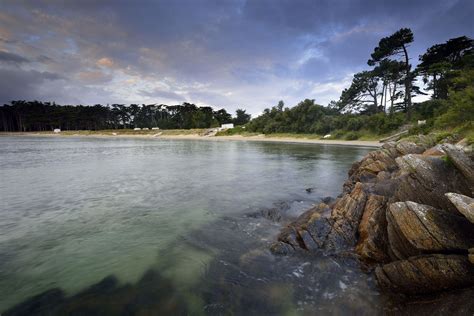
<point>407,84</point>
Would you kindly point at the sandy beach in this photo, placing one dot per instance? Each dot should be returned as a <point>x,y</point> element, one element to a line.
<point>259,138</point>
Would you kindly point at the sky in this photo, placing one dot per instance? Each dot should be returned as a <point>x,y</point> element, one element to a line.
<point>222,53</point>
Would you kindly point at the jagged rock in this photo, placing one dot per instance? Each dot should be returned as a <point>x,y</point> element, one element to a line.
<point>415,229</point>
<point>369,167</point>
<point>386,187</point>
<point>434,151</point>
<point>308,242</point>
<point>304,233</point>
<point>405,148</point>
<point>346,215</point>
<point>423,179</point>
<point>425,274</point>
<point>289,235</point>
<point>372,245</point>
<point>319,229</point>
<point>464,204</point>
<point>464,163</point>
<point>471,255</point>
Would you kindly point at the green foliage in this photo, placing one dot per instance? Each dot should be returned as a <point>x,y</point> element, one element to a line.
<point>431,108</point>
<point>351,136</point>
<point>383,123</point>
<point>391,45</point>
<point>45,116</point>
<point>241,118</point>
<point>441,60</point>
<point>306,117</point>
<point>460,102</point>
<point>421,129</point>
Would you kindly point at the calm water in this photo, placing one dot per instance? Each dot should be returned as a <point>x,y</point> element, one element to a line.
<point>74,211</point>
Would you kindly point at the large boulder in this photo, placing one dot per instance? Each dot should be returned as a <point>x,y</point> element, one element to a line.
<point>464,204</point>
<point>369,167</point>
<point>425,274</point>
<point>372,244</point>
<point>415,229</point>
<point>425,180</point>
<point>463,162</point>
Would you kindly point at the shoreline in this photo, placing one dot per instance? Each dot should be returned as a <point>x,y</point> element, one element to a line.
<point>258,138</point>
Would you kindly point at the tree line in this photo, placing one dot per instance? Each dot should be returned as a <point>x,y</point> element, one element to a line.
<point>45,116</point>
<point>379,99</point>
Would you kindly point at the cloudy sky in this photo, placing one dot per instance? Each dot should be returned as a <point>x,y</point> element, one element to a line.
<point>223,53</point>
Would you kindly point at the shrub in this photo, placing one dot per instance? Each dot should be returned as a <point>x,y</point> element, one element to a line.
<point>351,136</point>
<point>338,134</point>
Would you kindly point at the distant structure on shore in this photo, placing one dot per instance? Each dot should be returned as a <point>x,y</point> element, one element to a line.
<point>226,126</point>
<point>57,130</point>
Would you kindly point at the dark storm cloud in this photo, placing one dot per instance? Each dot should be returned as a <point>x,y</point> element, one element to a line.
<point>23,85</point>
<point>7,57</point>
<point>226,53</point>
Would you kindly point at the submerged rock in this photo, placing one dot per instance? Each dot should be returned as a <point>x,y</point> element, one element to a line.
<point>425,274</point>
<point>281,248</point>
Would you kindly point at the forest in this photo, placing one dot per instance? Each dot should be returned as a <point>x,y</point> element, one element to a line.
<point>379,100</point>
<point>27,116</point>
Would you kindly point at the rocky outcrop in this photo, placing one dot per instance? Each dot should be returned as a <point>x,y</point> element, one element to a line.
<point>425,180</point>
<point>407,211</point>
<point>415,229</point>
<point>425,274</point>
<point>462,162</point>
<point>372,242</point>
<point>464,204</point>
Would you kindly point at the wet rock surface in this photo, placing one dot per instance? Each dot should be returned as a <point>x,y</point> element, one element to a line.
<point>407,211</point>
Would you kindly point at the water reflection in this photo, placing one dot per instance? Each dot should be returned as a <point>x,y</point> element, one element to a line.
<point>151,295</point>
<point>76,210</point>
